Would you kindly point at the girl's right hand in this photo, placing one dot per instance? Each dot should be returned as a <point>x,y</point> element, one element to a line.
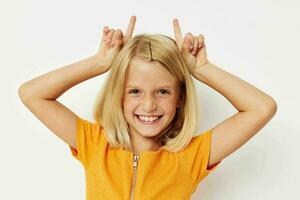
<point>112,42</point>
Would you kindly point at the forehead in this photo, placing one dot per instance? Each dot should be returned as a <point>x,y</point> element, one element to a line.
<point>142,72</point>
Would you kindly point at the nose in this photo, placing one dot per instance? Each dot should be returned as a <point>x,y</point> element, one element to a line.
<point>149,104</point>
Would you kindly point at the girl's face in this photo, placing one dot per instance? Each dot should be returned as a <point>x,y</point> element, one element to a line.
<point>150,99</point>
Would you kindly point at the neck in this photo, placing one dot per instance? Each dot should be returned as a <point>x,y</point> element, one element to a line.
<point>140,144</point>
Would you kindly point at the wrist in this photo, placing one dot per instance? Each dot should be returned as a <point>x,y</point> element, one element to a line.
<point>100,67</point>
<point>199,73</point>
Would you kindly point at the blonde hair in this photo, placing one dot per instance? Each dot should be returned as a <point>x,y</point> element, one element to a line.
<point>108,110</point>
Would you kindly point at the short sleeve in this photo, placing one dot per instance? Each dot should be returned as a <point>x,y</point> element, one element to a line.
<point>87,137</point>
<point>197,156</point>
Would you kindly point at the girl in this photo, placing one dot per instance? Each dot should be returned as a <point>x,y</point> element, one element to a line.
<point>142,145</point>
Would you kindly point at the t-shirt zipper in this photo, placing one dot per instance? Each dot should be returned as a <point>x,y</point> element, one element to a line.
<point>135,164</point>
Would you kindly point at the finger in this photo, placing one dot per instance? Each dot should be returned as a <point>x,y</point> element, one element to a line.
<point>108,38</point>
<point>177,32</point>
<point>201,41</point>
<point>114,36</point>
<point>202,54</point>
<point>105,31</point>
<point>130,29</point>
<point>191,40</point>
<point>195,46</point>
<point>186,45</point>
<point>117,39</point>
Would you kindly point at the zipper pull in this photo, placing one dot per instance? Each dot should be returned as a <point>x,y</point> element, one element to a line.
<point>135,160</point>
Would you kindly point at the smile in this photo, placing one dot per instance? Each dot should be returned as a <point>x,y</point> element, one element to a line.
<point>148,120</point>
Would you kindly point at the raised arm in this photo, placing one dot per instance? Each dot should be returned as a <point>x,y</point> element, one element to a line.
<point>255,108</point>
<point>39,94</point>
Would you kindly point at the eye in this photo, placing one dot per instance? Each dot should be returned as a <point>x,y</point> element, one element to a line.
<point>164,91</point>
<point>134,91</point>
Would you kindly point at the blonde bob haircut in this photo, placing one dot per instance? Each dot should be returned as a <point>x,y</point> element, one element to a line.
<point>108,110</point>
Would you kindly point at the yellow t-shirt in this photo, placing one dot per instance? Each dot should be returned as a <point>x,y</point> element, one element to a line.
<point>160,175</point>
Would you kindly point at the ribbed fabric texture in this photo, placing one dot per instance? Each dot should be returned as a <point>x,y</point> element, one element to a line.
<point>160,175</point>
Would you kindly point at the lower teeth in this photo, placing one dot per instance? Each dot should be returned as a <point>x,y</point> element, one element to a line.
<point>149,121</point>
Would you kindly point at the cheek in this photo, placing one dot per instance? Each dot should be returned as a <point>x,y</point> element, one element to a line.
<point>168,106</point>
<point>129,104</point>
<point>170,109</point>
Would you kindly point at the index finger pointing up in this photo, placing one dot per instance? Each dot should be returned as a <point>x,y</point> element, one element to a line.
<point>130,29</point>
<point>177,32</point>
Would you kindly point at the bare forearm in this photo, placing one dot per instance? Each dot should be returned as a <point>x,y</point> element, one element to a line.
<point>54,83</point>
<point>242,95</point>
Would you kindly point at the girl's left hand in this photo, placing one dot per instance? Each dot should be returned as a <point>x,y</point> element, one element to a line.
<point>192,48</point>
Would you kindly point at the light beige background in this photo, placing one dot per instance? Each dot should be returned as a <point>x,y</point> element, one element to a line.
<point>255,40</point>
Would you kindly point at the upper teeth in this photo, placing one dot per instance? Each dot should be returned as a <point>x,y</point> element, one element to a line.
<point>148,118</point>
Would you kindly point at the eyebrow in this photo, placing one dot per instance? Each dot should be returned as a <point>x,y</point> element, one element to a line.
<point>164,86</point>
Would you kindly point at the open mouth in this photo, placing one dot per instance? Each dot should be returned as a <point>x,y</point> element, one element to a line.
<point>149,120</point>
